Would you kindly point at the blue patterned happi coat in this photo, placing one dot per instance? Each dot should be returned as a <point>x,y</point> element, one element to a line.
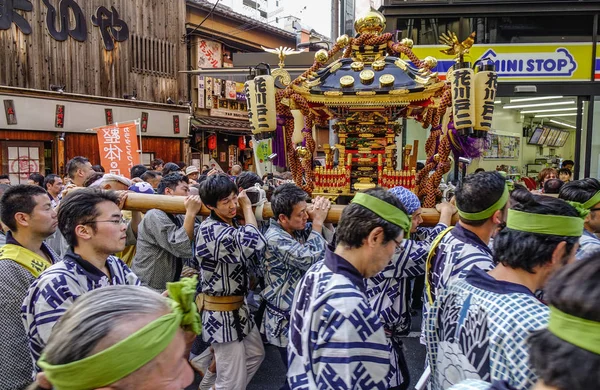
<point>226,254</point>
<point>588,243</point>
<point>59,286</point>
<point>286,260</point>
<point>478,329</point>
<point>336,340</point>
<point>389,293</point>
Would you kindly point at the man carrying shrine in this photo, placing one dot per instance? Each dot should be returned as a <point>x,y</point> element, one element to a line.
<point>27,212</point>
<point>165,240</point>
<point>566,354</point>
<point>91,222</point>
<point>225,251</point>
<point>481,200</point>
<point>336,339</point>
<point>478,327</point>
<point>389,290</point>
<point>293,245</point>
<point>585,194</point>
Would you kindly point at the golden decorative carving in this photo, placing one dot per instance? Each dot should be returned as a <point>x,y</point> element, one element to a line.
<point>373,22</point>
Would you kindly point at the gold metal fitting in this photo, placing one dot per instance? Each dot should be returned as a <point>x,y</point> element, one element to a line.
<point>386,80</point>
<point>378,65</point>
<point>321,56</point>
<point>347,81</point>
<point>357,66</point>
<point>367,76</point>
<point>407,42</point>
<point>431,62</point>
<point>343,40</point>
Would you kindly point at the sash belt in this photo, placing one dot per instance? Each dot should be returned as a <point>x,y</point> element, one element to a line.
<point>215,303</point>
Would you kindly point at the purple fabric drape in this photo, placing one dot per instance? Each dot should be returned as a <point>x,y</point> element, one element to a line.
<point>279,143</point>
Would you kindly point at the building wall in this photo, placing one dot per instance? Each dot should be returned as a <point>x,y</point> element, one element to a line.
<point>147,62</point>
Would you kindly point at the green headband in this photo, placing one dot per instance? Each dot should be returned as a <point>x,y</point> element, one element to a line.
<point>594,200</point>
<point>584,208</point>
<point>485,214</point>
<point>556,225</point>
<point>385,210</point>
<point>137,350</point>
<point>580,332</point>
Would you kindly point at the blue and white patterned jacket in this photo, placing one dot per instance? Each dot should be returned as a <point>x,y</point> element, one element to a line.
<point>58,287</point>
<point>588,243</point>
<point>478,328</point>
<point>225,254</point>
<point>286,260</point>
<point>389,292</point>
<point>336,340</point>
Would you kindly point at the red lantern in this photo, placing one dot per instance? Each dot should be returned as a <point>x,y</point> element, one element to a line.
<point>242,143</point>
<point>212,142</point>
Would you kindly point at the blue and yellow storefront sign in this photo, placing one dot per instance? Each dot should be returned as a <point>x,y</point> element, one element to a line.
<point>526,62</point>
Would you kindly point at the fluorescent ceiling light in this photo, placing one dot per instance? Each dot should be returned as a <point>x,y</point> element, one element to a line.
<point>539,104</point>
<point>549,110</point>
<point>533,99</point>
<point>497,101</point>
<point>563,124</point>
<point>554,115</point>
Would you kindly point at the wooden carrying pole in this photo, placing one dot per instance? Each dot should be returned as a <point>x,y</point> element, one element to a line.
<point>174,205</point>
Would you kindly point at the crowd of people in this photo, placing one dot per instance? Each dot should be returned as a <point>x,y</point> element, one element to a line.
<point>94,296</point>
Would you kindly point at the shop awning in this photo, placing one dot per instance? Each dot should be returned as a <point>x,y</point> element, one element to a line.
<point>212,123</point>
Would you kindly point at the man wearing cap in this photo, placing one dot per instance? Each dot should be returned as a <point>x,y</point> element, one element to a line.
<point>478,327</point>
<point>585,194</point>
<point>389,290</point>
<point>336,339</point>
<point>91,222</point>
<point>164,243</point>
<point>481,200</point>
<point>192,173</point>
<point>123,337</point>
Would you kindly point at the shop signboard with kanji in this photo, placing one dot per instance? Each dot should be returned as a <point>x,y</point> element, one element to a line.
<point>209,54</point>
<point>119,150</point>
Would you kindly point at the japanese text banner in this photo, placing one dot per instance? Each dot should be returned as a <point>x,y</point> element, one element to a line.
<point>119,150</point>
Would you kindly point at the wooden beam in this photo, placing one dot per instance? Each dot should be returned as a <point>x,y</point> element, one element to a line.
<point>174,205</point>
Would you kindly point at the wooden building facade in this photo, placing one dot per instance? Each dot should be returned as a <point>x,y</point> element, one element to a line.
<point>72,65</point>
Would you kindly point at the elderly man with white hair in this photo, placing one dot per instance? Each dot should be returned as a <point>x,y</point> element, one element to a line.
<point>136,343</point>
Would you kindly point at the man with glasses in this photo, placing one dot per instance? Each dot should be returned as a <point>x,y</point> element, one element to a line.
<point>91,222</point>
<point>336,338</point>
<point>164,243</point>
<point>585,194</point>
<point>389,290</point>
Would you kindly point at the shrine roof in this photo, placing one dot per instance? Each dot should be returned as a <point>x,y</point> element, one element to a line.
<point>388,81</point>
